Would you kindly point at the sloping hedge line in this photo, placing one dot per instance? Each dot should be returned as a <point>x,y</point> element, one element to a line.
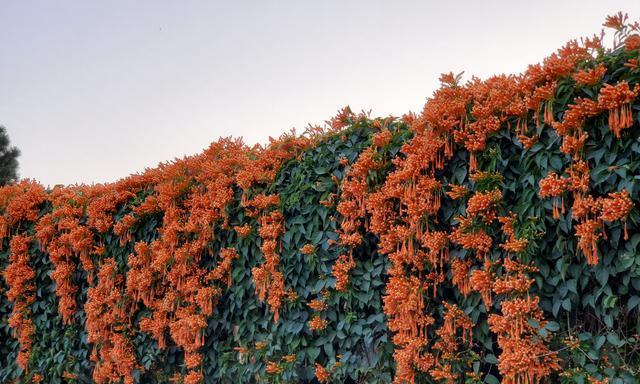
<point>493,238</point>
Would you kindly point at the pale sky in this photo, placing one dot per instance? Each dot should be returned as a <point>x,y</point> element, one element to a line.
<point>91,91</point>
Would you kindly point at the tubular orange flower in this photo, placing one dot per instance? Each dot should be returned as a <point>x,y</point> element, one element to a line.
<point>617,100</point>
<point>308,249</point>
<point>341,269</point>
<point>318,305</point>
<point>482,281</point>
<point>590,76</point>
<point>19,277</point>
<point>457,191</point>
<point>322,375</point>
<point>588,234</point>
<point>616,206</point>
<point>317,323</point>
<point>632,42</point>
<point>243,230</point>
<point>273,368</point>
<point>460,269</point>
<point>289,358</point>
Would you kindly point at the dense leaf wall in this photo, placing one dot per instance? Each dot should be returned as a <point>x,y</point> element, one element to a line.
<point>589,320</point>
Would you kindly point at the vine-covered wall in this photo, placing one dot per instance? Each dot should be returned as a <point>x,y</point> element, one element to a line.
<point>492,238</point>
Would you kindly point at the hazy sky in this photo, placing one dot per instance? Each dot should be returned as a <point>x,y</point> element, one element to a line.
<point>92,91</point>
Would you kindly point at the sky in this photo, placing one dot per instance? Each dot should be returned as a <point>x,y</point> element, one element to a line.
<point>92,91</point>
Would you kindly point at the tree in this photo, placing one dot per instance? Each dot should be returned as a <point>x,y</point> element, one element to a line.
<point>8,159</point>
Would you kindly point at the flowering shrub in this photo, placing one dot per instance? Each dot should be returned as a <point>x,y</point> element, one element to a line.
<point>491,238</point>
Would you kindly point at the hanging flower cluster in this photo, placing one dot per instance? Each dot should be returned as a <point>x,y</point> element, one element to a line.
<point>590,212</point>
<point>61,234</point>
<point>354,190</point>
<point>456,330</point>
<point>341,269</point>
<point>165,275</point>
<point>616,99</point>
<point>403,212</point>
<point>267,277</point>
<point>19,276</point>
<point>587,209</point>
<point>525,356</point>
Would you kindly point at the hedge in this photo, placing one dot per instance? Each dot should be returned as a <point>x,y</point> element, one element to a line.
<point>492,238</point>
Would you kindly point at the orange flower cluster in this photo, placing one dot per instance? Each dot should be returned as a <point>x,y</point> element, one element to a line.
<point>268,279</point>
<point>308,249</point>
<point>165,275</point>
<point>354,191</point>
<point>317,323</point>
<point>588,233</point>
<point>481,204</point>
<point>66,240</point>
<point>273,368</point>
<point>107,326</point>
<point>473,239</point>
<point>460,270</point>
<point>382,138</point>
<point>554,186</point>
<point>404,210</point>
<point>590,76</point>
<point>617,100</point>
<point>589,211</point>
<point>457,191</point>
<point>243,230</point>
<point>20,202</point>
<point>322,374</point>
<point>20,277</point>
<point>525,356</point>
<point>513,244</point>
<point>341,269</point>
<point>616,206</point>
<point>482,281</point>
<point>632,42</point>
<point>318,305</point>
<point>456,325</point>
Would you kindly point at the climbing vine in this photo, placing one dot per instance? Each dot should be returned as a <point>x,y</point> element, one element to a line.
<point>493,237</point>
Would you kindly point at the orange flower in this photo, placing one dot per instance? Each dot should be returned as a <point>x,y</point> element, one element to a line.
<point>590,76</point>
<point>20,277</point>
<point>457,191</point>
<point>460,269</point>
<point>588,233</point>
<point>632,42</point>
<point>341,269</point>
<point>322,375</point>
<point>617,99</point>
<point>382,138</point>
<point>318,305</point>
<point>482,281</point>
<point>616,206</point>
<point>616,21</point>
<point>273,368</point>
<point>471,239</point>
<point>243,231</point>
<point>481,203</point>
<point>289,358</point>
<point>317,323</point>
<point>308,249</point>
